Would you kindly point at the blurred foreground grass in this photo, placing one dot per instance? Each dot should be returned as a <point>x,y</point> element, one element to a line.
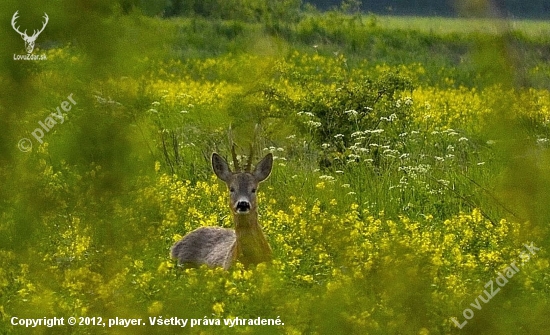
<point>405,178</point>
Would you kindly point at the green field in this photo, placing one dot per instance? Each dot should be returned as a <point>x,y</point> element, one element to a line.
<point>436,25</point>
<point>411,176</point>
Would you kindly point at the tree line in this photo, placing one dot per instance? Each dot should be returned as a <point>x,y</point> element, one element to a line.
<point>506,8</point>
<point>287,10</point>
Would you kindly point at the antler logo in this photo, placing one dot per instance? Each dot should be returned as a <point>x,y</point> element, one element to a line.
<point>29,40</point>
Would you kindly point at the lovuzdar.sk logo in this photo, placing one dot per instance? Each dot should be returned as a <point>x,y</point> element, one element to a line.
<point>29,40</point>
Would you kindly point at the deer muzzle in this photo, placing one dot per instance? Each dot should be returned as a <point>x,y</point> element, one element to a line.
<point>242,207</point>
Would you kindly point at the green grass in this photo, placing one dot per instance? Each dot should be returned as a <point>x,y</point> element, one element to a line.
<point>411,167</point>
<point>444,26</point>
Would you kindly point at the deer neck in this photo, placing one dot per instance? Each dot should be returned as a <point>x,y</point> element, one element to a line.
<point>251,244</point>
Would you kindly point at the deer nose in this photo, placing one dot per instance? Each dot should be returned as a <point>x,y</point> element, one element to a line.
<point>243,206</point>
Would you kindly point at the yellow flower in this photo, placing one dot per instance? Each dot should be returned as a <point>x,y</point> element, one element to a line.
<point>155,308</point>
<point>165,266</point>
<point>315,210</point>
<point>218,308</point>
<point>138,264</point>
<point>306,278</point>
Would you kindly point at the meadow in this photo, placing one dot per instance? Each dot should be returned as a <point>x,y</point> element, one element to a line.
<point>409,194</point>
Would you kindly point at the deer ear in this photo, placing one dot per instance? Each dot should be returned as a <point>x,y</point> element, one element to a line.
<point>221,168</point>
<point>263,169</point>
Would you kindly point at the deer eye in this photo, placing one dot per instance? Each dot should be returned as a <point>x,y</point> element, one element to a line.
<point>253,190</point>
<point>231,189</point>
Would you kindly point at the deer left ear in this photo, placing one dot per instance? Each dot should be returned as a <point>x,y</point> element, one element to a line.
<point>221,168</point>
<point>263,168</point>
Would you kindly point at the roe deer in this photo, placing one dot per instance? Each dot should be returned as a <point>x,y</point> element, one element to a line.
<point>215,246</point>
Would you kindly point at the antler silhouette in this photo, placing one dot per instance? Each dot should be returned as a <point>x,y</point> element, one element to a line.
<point>46,19</point>
<point>29,40</point>
<point>13,19</point>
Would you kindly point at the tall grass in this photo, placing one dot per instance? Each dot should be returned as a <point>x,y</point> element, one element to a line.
<point>446,26</point>
<point>403,180</point>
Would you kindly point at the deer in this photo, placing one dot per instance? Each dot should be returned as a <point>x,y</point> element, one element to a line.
<point>29,40</point>
<point>246,243</point>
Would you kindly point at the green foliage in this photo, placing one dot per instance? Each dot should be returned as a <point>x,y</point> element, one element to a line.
<point>243,10</point>
<point>401,183</point>
<point>352,107</point>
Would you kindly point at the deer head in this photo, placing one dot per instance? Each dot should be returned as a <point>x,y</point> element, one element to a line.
<point>242,184</point>
<point>29,40</point>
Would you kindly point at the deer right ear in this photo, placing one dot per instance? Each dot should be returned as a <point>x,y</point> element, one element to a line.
<point>263,169</point>
<point>221,168</point>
